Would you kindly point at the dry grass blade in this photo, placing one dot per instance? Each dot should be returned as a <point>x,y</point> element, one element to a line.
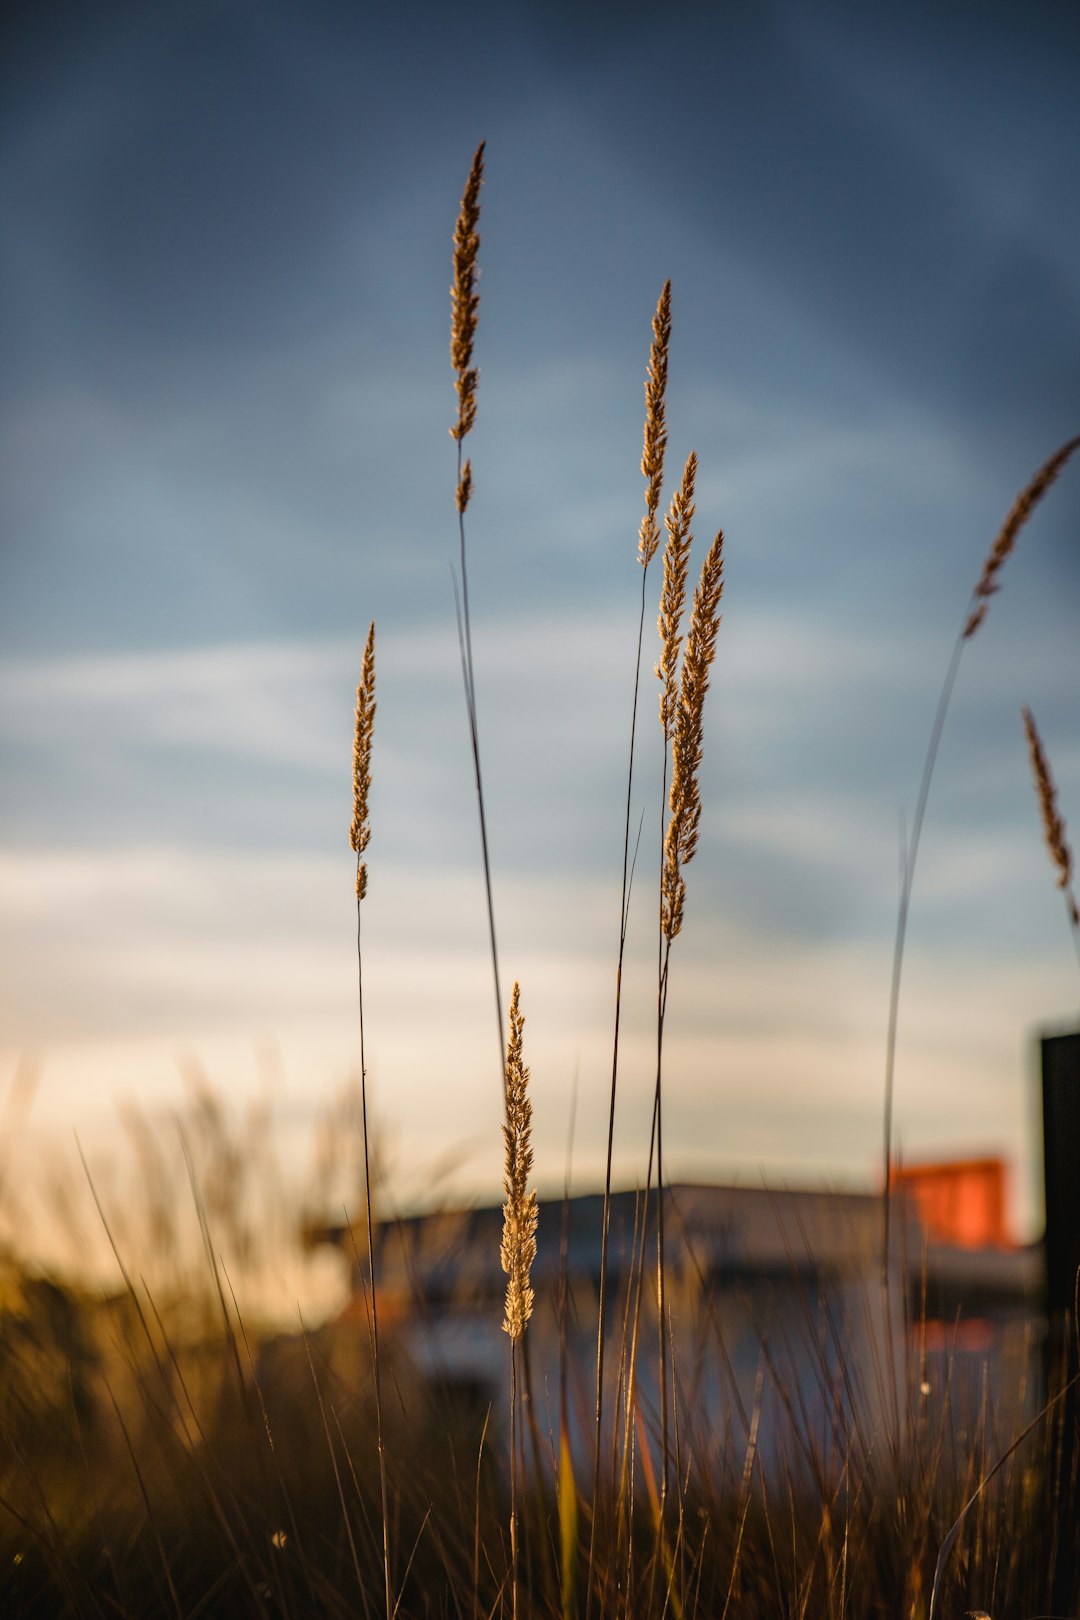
<point>954,1530</point>
<point>465,300</point>
<point>1053,825</point>
<point>1018,515</point>
<point>673,595</point>
<point>652,456</point>
<point>360,832</point>
<point>519,1212</point>
<point>685,797</point>
<point>359,837</point>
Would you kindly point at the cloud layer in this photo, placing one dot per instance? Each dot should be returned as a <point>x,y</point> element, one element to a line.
<point>224,409</point>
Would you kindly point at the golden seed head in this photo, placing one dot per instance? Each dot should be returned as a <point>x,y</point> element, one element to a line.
<point>1018,515</point>
<point>464,299</point>
<point>680,840</point>
<point>464,489</point>
<point>673,596</point>
<point>655,442</point>
<point>518,1249</point>
<point>360,831</point>
<point>975,618</point>
<point>1053,825</point>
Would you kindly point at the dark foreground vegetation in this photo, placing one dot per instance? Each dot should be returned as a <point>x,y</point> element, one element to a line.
<point>157,1457</point>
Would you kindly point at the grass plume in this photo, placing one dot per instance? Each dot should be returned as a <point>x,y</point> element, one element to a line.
<point>673,595</point>
<point>464,298</point>
<point>1053,825</point>
<point>519,1212</point>
<point>1005,540</point>
<point>360,832</point>
<point>687,740</point>
<point>652,455</point>
<point>518,1249</point>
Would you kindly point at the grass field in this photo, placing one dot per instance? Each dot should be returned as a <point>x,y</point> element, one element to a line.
<point>165,1452</point>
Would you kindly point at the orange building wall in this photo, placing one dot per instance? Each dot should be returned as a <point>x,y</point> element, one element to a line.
<point>962,1202</point>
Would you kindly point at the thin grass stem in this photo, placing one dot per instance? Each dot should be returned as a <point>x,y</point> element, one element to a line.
<point>986,586</point>
<point>652,467</point>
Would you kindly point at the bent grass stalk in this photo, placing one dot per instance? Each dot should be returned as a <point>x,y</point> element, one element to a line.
<point>986,587</point>
<point>359,837</point>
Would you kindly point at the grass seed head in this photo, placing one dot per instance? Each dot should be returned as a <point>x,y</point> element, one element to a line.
<point>652,456</point>
<point>518,1250</point>
<point>680,841</point>
<point>464,489</point>
<point>1018,515</point>
<point>673,596</point>
<point>465,300</point>
<point>1053,825</point>
<point>360,832</point>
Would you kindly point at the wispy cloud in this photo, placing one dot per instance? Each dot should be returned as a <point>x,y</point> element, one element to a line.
<point>262,702</point>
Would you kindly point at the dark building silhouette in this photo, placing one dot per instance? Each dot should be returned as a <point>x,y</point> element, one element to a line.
<point>1061,1166</point>
<point>1061,1163</point>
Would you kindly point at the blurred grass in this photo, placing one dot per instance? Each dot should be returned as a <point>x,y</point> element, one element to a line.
<point>163,1452</point>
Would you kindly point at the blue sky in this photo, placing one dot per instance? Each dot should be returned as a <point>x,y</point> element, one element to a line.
<point>225,396</point>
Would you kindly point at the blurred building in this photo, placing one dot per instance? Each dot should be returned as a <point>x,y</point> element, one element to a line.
<point>779,1319</point>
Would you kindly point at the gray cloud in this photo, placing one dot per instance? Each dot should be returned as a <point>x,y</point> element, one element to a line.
<point>224,405</point>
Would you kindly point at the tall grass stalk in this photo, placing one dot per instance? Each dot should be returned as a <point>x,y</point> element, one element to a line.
<point>464,311</point>
<point>986,586</point>
<point>672,604</point>
<point>681,715</point>
<point>682,722</point>
<point>652,468</point>
<point>359,837</point>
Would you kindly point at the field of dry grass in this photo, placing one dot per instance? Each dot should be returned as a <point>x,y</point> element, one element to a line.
<point>164,1452</point>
